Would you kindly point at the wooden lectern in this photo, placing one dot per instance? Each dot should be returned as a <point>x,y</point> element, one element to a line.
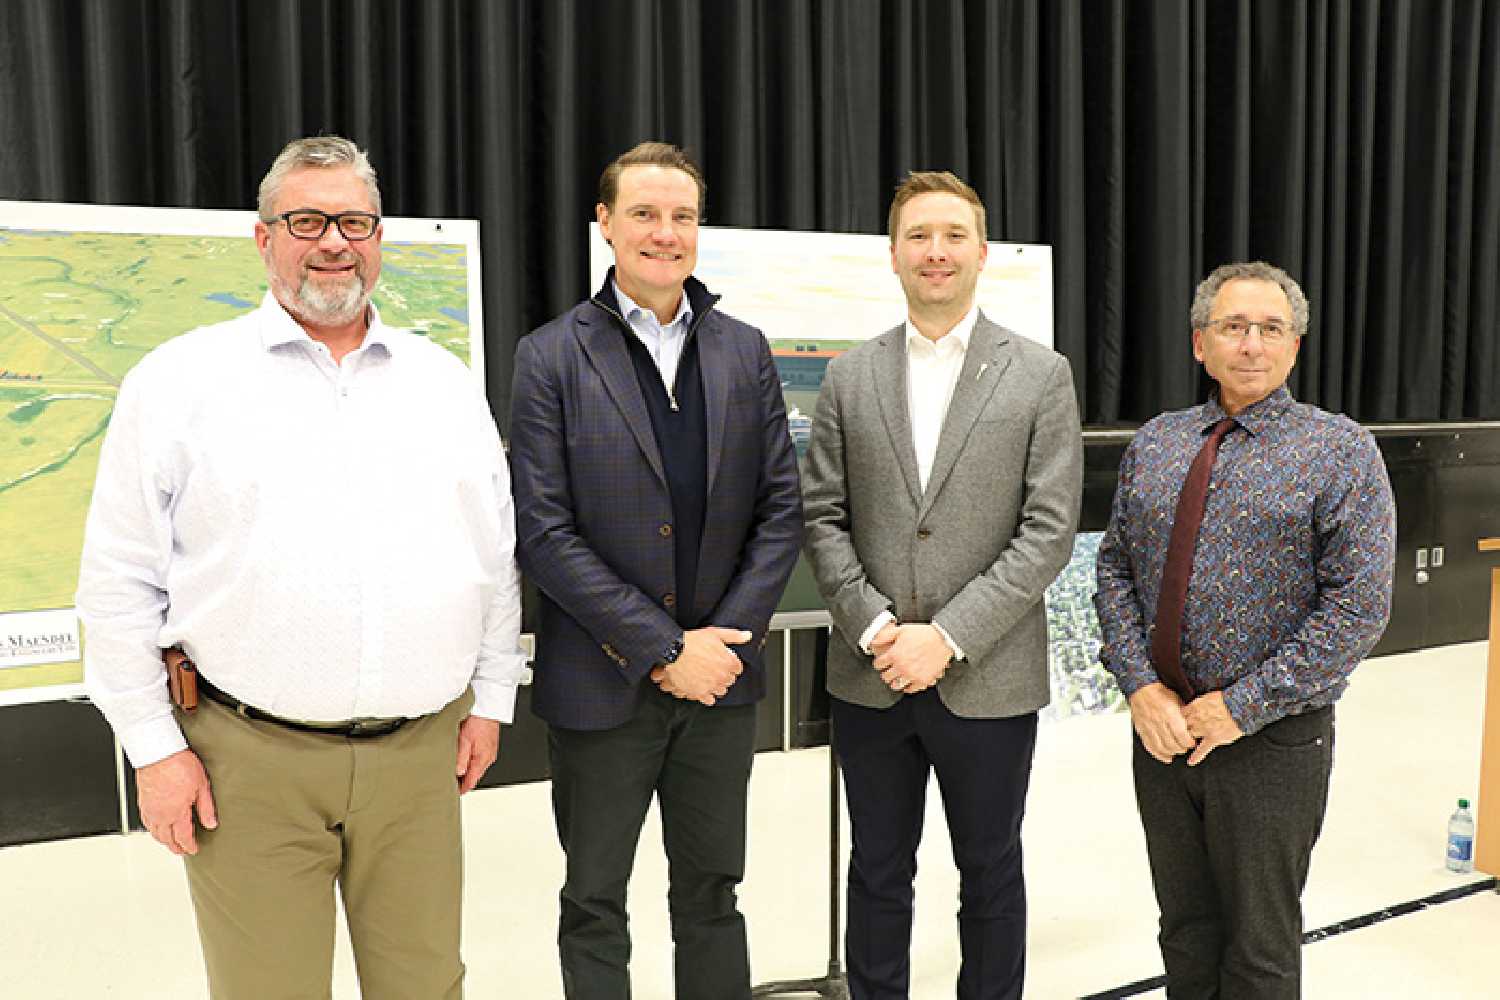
<point>1487,838</point>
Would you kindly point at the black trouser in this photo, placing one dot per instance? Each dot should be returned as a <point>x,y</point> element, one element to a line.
<point>696,760</point>
<point>983,767</point>
<point>1229,842</point>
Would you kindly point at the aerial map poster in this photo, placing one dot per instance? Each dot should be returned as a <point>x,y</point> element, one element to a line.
<point>85,292</point>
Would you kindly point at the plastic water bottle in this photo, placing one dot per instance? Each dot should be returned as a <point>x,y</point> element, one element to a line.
<point>1461,839</point>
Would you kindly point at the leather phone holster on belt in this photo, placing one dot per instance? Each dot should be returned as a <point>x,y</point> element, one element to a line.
<point>182,678</point>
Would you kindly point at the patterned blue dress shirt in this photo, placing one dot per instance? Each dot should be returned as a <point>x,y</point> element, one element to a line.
<point>1291,581</point>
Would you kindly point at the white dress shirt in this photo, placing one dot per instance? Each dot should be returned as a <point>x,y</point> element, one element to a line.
<point>327,541</point>
<point>664,342</point>
<point>932,369</point>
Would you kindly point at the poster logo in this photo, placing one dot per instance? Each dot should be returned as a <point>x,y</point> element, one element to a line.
<point>28,638</point>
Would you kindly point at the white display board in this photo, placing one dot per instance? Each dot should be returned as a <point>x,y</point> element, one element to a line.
<point>806,288</point>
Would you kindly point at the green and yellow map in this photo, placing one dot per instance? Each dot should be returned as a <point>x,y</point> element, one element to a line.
<point>77,311</point>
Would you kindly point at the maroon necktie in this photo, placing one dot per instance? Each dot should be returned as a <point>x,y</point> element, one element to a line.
<point>1166,641</point>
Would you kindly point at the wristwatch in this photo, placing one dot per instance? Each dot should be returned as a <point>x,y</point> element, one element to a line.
<point>673,652</point>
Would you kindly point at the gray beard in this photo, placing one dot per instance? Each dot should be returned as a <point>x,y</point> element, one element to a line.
<point>325,307</point>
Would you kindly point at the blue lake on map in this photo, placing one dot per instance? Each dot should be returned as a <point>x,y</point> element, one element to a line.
<point>229,300</point>
<point>460,314</point>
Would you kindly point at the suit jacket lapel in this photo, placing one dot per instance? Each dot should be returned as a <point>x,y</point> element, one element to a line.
<point>713,363</point>
<point>984,363</point>
<point>601,340</point>
<point>890,393</point>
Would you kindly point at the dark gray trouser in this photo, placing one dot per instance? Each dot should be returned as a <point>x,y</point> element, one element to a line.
<point>696,760</point>
<point>1229,843</point>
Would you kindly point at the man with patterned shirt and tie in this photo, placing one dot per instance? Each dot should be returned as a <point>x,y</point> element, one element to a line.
<point>314,507</point>
<point>1245,573</point>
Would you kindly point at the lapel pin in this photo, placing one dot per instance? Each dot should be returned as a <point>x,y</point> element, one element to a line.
<point>980,374</point>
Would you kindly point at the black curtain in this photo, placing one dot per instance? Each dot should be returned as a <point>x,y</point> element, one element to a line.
<point>1354,142</point>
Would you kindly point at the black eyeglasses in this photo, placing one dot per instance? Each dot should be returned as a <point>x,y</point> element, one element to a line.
<point>311,224</point>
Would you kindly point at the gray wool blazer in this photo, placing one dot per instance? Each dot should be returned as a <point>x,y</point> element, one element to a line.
<point>976,551</point>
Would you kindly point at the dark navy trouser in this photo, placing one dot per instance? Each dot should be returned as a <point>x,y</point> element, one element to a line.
<point>983,767</point>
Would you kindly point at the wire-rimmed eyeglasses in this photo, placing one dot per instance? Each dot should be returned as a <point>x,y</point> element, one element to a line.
<point>1237,328</point>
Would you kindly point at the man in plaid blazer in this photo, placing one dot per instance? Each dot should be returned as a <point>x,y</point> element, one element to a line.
<point>659,513</point>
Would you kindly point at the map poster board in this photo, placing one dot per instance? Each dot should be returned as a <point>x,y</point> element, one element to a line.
<point>85,292</point>
<point>1080,684</point>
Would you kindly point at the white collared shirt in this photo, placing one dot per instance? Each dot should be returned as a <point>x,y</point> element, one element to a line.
<point>326,540</point>
<point>932,369</point>
<point>664,342</point>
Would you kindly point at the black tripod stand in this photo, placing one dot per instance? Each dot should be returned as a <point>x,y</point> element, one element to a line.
<point>833,984</point>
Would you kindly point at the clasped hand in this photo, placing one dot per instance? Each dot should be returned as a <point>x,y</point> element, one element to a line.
<point>706,668</point>
<point>911,657</point>
<point>1167,727</point>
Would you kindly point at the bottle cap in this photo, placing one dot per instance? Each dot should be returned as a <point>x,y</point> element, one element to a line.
<point>1463,803</point>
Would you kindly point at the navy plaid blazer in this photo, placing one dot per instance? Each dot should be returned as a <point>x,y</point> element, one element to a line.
<point>592,506</point>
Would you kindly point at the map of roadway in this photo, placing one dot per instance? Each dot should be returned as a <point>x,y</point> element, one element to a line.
<point>77,311</point>
<point>58,345</point>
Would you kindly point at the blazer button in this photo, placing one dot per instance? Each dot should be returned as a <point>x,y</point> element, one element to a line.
<point>923,534</point>
<point>665,531</point>
<point>670,600</point>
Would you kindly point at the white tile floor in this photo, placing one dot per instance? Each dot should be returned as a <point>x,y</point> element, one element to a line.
<point>109,916</point>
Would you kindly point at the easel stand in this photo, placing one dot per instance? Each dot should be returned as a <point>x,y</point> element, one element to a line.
<point>833,984</point>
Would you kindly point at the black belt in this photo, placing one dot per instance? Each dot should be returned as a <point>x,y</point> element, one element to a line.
<point>357,729</point>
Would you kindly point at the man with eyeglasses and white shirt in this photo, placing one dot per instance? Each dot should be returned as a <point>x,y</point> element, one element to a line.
<point>1245,573</point>
<point>315,508</point>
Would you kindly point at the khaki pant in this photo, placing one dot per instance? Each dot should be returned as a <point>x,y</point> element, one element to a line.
<point>301,812</point>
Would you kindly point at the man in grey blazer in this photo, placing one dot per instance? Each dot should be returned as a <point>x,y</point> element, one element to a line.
<point>942,489</point>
